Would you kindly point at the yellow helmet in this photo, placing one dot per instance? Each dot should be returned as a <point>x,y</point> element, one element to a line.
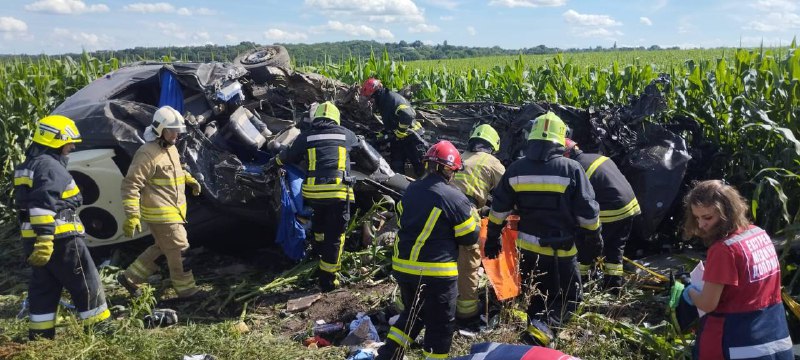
<point>55,131</point>
<point>328,111</point>
<point>549,127</point>
<point>488,133</point>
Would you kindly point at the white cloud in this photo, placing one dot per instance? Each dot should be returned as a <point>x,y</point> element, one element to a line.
<point>87,41</point>
<point>65,7</point>
<point>775,22</point>
<point>172,30</point>
<point>659,4</point>
<point>373,10</point>
<point>418,28</point>
<point>184,12</point>
<point>471,31</point>
<point>361,31</point>
<point>446,18</point>
<point>145,8</point>
<point>278,35</point>
<point>203,35</point>
<point>204,11</point>
<point>573,17</point>
<point>528,3</point>
<point>12,25</point>
<point>646,21</point>
<point>775,5</point>
<point>599,33</point>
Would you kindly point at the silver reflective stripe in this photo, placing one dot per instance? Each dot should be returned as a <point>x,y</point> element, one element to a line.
<point>25,226</point>
<point>40,212</point>
<point>93,312</point>
<point>743,236</point>
<point>71,185</point>
<point>482,356</point>
<point>528,238</point>
<point>23,173</point>
<point>539,179</point>
<point>756,351</point>
<point>326,137</point>
<point>42,317</point>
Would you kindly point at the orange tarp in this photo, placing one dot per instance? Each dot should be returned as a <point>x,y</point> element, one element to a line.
<point>503,271</point>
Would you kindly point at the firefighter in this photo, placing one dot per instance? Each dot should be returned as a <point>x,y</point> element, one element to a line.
<point>482,172</point>
<point>153,191</point>
<point>557,208</point>
<point>46,198</point>
<point>618,207</point>
<point>399,126</point>
<point>326,147</point>
<point>435,219</point>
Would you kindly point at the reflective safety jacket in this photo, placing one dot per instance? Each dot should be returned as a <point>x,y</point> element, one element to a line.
<point>326,147</point>
<point>46,196</point>
<point>554,200</point>
<point>155,185</point>
<point>434,219</point>
<point>612,191</point>
<point>482,172</point>
<point>396,112</point>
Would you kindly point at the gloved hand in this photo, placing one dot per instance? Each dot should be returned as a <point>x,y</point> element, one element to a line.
<point>686,296</point>
<point>494,243</point>
<point>400,134</point>
<point>131,226</point>
<point>192,182</point>
<point>484,211</point>
<point>42,251</point>
<point>675,293</point>
<point>592,244</point>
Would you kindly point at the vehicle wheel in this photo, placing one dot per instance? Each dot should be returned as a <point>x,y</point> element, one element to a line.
<point>257,60</point>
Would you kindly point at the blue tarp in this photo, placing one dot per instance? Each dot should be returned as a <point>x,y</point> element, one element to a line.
<point>291,234</point>
<point>171,92</point>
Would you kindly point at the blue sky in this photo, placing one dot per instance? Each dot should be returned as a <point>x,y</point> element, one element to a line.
<point>59,26</point>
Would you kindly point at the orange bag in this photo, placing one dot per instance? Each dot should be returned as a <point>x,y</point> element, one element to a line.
<point>503,271</point>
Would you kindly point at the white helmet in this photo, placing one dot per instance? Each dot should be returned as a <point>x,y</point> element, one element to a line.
<point>165,118</point>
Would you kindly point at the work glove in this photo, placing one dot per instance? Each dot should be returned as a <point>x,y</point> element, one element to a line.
<point>686,296</point>
<point>484,211</point>
<point>592,244</point>
<point>400,134</point>
<point>192,182</point>
<point>42,251</point>
<point>493,244</point>
<point>131,226</point>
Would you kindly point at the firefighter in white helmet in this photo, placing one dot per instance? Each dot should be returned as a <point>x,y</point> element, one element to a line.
<point>153,191</point>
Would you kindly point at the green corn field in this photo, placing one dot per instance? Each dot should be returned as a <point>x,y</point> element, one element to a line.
<point>746,100</point>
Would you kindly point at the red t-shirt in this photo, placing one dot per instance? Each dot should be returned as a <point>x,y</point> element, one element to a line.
<point>747,264</point>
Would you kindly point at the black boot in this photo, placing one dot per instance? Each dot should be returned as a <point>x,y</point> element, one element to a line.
<point>42,334</point>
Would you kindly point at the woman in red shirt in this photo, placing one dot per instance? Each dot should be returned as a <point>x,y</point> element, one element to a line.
<point>742,281</point>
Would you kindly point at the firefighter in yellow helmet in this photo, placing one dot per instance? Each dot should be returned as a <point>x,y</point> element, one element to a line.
<point>556,206</point>
<point>326,146</point>
<point>153,191</point>
<point>482,172</point>
<point>46,198</point>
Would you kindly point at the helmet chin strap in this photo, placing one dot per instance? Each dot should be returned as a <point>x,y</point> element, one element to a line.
<point>164,142</point>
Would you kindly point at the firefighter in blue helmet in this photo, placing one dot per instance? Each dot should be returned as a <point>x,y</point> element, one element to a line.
<point>556,206</point>
<point>46,198</point>
<point>435,219</point>
<point>618,208</point>
<point>326,146</point>
<point>399,126</point>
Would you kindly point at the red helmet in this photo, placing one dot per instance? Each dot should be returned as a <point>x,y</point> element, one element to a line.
<point>444,153</point>
<point>370,86</point>
<point>569,146</point>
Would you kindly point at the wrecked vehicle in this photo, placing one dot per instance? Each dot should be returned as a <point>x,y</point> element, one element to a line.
<point>241,114</point>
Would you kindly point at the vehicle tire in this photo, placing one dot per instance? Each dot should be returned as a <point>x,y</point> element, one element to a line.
<point>257,60</point>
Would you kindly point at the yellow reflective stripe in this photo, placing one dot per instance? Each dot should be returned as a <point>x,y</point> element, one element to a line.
<point>70,193</point>
<point>466,307</point>
<point>557,188</point>
<point>312,159</point>
<point>465,227</point>
<point>278,160</point>
<point>429,355</point>
<point>24,180</point>
<point>59,229</point>
<point>589,224</point>
<point>425,233</point>
<point>183,285</point>
<point>632,208</point>
<point>399,209</point>
<point>330,195</point>
<point>319,237</point>
<point>139,269</point>
<point>398,336</point>
<point>42,219</point>
<point>168,181</point>
<point>546,250</point>
<point>540,183</point>
<point>163,209</point>
<point>584,269</point>
<point>400,107</point>
<point>342,158</point>
<point>131,202</point>
<point>595,164</point>
<point>612,269</point>
<point>498,217</point>
<point>324,187</point>
<point>444,269</point>
<point>42,325</point>
<point>97,318</point>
